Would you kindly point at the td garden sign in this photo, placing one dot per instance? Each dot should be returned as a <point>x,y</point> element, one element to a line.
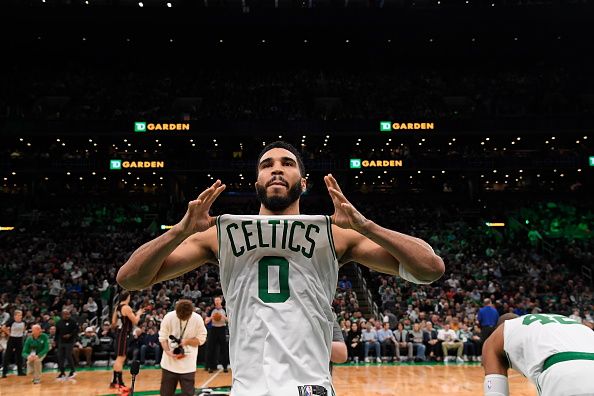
<point>389,126</point>
<point>142,126</point>
<point>116,164</point>
<point>357,163</point>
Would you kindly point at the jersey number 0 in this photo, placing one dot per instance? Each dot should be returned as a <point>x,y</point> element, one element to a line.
<point>269,267</point>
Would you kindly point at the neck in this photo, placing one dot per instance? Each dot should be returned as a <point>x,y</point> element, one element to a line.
<point>292,209</point>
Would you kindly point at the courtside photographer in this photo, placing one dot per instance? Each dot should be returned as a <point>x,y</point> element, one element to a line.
<point>182,332</point>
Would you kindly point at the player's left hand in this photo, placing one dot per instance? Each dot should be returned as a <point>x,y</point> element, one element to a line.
<point>345,215</point>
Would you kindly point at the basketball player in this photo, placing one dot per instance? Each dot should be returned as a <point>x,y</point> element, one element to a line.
<point>554,352</point>
<point>279,272</point>
<point>124,320</point>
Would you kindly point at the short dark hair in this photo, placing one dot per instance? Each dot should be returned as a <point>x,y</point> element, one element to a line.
<point>505,317</point>
<point>184,309</point>
<point>284,145</point>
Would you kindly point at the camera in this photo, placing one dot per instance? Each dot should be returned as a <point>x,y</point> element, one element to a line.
<point>176,343</point>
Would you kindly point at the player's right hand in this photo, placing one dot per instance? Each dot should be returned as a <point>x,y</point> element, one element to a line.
<point>197,218</point>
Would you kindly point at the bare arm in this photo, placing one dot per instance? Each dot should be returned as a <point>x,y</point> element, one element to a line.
<point>160,260</point>
<point>494,360</point>
<point>377,247</point>
<point>339,352</point>
<point>186,246</point>
<point>127,311</point>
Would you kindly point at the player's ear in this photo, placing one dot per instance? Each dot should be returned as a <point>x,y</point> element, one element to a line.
<point>303,184</point>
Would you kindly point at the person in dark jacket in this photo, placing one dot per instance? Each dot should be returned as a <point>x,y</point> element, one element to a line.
<point>66,332</point>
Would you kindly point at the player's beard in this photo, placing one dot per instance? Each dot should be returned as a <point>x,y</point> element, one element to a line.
<point>278,203</point>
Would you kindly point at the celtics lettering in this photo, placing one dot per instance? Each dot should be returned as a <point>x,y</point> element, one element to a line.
<point>281,234</point>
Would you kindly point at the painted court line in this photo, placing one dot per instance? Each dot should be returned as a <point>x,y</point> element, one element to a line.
<point>204,385</point>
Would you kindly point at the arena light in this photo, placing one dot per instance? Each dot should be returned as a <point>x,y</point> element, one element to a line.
<point>6,228</point>
<point>495,224</point>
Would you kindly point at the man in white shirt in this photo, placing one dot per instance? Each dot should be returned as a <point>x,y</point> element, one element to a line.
<point>178,363</point>
<point>450,341</point>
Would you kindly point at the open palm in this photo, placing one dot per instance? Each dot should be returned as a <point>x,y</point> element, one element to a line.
<point>345,215</point>
<point>197,217</point>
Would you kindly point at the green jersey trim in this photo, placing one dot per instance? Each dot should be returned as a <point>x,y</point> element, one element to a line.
<point>565,356</point>
<point>330,237</point>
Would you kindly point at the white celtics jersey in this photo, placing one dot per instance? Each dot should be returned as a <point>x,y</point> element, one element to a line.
<point>279,276</point>
<point>530,339</point>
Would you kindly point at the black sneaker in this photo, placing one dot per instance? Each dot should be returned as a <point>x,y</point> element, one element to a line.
<point>210,371</point>
<point>61,377</point>
<point>72,374</point>
<point>225,370</point>
<point>21,374</point>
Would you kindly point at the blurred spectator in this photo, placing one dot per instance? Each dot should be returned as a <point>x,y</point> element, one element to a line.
<point>432,343</point>
<point>151,344</point>
<point>355,344</point>
<point>402,343</point>
<point>449,340</point>
<point>135,344</point>
<point>387,341</point>
<point>344,283</point>
<point>370,340</point>
<point>87,341</point>
<point>416,338</point>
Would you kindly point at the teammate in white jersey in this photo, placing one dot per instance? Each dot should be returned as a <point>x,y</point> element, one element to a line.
<point>554,352</point>
<point>277,269</point>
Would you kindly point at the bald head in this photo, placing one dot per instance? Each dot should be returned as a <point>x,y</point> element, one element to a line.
<point>36,330</point>
<point>505,317</point>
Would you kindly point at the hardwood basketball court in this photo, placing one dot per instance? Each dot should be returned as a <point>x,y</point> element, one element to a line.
<point>349,380</point>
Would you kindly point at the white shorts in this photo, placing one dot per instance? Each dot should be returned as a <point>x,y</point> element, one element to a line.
<point>569,378</point>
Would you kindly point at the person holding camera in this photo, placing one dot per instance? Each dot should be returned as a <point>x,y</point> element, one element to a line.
<point>181,332</point>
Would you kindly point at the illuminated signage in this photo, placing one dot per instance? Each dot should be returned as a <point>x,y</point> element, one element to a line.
<point>591,161</point>
<point>389,126</point>
<point>495,224</point>
<point>3,228</point>
<point>356,163</point>
<point>143,126</point>
<point>166,227</point>
<point>119,164</point>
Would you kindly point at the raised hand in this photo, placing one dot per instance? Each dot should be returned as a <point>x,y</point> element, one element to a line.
<point>197,218</point>
<point>345,215</point>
